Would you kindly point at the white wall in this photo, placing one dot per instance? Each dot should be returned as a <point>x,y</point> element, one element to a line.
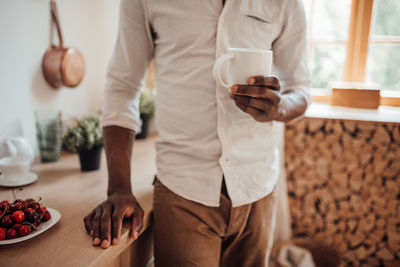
<point>89,25</point>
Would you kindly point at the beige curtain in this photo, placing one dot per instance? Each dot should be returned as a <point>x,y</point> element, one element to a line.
<point>282,227</point>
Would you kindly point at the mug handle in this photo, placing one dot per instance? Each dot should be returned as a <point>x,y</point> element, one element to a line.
<point>217,69</point>
<point>12,150</point>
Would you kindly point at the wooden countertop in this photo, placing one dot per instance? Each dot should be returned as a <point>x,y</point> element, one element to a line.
<point>74,194</point>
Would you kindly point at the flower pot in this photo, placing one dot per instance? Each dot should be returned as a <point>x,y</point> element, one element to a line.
<point>90,158</point>
<point>145,125</point>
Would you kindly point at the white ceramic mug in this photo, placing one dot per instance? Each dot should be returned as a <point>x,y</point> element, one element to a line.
<point>242,63</point>
<point>16,146</point>
<point>14,168</point>
<point>7,149</point>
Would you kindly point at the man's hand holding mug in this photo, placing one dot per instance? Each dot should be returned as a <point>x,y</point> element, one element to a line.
<point>260,97</point>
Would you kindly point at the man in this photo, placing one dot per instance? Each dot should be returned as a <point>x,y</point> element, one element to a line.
<point>217,153</point>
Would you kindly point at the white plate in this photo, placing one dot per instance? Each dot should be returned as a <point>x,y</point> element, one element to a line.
<point>55,217</point>
<point>28,178</point>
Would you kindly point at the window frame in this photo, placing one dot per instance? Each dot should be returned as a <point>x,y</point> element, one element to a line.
<point>359,39</point>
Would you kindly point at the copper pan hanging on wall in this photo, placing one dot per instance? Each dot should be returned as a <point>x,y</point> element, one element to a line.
<point>62,66</point>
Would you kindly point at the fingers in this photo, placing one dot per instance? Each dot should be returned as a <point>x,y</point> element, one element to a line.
<point>257,92</point>
<point>96,226</point>
<point>105,226</point>
<point>260,109</point>
<point>137,222</point>
<point>255,113</point>
<point>88,223</point>
<point>253,102</point>
<point>270,81</point>
<point>116,223</point>
<point>106,220</point>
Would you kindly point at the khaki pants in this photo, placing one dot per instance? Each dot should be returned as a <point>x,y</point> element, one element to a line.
<point>187,233</point>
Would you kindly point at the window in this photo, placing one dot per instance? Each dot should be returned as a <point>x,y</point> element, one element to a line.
<point>328,24</point>
<point>354,40</point>
<point>383,60</point>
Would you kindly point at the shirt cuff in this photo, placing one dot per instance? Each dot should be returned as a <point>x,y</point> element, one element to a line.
<point>122,120</point>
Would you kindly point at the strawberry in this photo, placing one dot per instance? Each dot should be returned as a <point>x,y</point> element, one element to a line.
<point>43,209</point>
<point>1,213</point>
<point>18,216</point>
<point>11,233</point>
<point>24,230</point>
<point>2,234</point>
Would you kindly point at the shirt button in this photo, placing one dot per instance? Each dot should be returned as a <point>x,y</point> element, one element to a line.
<point>226,160</point>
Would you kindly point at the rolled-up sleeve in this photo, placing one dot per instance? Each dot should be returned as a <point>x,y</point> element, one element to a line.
<point>132,54</point>
<point>290,57</point>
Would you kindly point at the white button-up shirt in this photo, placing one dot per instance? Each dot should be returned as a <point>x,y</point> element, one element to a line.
<point>203,135</point>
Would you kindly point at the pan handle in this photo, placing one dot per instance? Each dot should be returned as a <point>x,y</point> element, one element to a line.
<point>54,18</point>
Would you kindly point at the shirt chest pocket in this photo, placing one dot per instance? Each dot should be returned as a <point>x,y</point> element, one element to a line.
<point>258,23</point>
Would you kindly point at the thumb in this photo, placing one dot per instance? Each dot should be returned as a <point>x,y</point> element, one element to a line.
<point>137,224</point>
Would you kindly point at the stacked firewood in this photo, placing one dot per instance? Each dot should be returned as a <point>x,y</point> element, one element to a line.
<point>344,187</point>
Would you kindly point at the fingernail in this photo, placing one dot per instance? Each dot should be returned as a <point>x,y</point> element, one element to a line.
<point>115,241</point>
<point>105,243</point>
<point>96,241</point>
<point>252,81</point>
<point>135,234</point>
<point>91,233</point>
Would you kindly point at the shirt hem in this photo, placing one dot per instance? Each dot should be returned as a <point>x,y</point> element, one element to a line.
<point>187,197</point>
<point>238,203</point>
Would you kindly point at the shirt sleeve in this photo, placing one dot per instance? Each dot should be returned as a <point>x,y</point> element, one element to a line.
<point>290,58</point>
<point>132,54</point>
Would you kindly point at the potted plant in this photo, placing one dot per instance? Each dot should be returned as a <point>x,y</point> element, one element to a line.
<point>85,137</point>
<point>147,108</point>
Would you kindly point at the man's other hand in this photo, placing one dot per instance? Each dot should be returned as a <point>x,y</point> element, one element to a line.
<point>104,223</point>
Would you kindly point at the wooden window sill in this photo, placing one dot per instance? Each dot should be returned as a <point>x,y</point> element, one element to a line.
<point>384,114</point>
<point>388,98</point>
